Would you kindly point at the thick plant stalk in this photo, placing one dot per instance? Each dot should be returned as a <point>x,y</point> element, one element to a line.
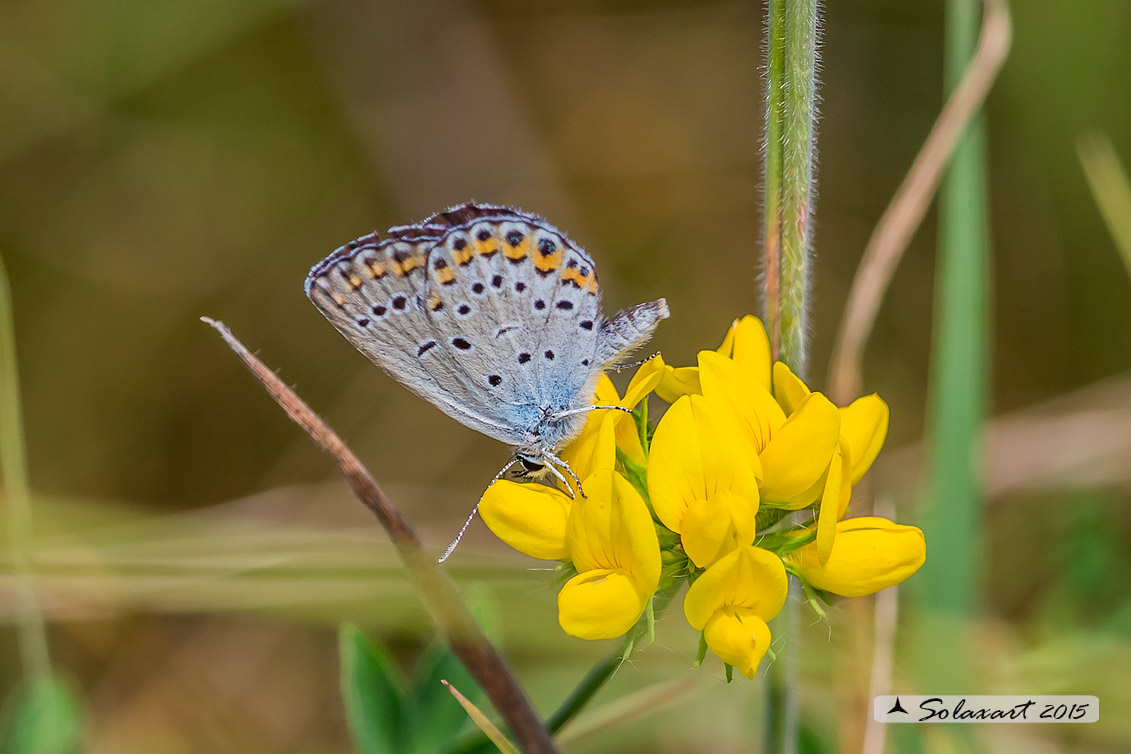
<point>791,63</point>
<point>32,635</point>
<point>798,150</point>
<point>436,591</point>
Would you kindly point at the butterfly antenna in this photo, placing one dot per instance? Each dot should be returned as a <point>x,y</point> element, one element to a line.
<point>633,365</point>
<point>551,457</point>
<point>474,511</point>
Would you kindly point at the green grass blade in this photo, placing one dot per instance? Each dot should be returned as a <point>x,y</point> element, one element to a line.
<point>13,470</point>
<point>1110,187</point>
<point>945,592</point>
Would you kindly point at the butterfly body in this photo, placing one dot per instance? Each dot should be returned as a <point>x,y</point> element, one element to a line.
<point>491,314</point>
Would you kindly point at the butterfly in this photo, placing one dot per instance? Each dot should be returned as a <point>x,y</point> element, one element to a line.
<point>489,313</point>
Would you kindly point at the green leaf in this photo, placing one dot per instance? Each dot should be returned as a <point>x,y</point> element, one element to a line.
<point>41,718</point>
<point>643,428</point>
<point>371,689</point>
<point>433,717</point>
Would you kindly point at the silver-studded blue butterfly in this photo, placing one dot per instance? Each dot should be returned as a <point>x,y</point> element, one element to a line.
<point>491,314</point>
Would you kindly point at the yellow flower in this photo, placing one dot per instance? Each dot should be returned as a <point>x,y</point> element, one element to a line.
<point>609,537</point>
<point>863,429</point>
<point>745,343</point>
<point>613,545</point>
<point>863,423</point>
<point>731,602</point>
<point>795,451</point>
<point>701,481</point>
<point>870,554</point>
<point>532,518</point>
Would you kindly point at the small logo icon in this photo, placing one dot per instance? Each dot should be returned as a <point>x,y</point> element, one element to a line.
<point>897,707</point>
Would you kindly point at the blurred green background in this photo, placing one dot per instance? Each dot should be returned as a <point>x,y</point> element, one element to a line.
<point>195,553</point>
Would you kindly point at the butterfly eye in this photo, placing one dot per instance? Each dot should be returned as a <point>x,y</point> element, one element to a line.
<point>531,466</point>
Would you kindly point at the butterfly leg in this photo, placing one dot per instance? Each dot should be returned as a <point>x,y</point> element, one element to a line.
<point>551,457</point>
<point>475,510</point>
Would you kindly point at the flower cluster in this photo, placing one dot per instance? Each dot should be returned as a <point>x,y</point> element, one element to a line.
<point>706,497</point>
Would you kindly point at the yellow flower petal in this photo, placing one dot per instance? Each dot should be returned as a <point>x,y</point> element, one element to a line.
<point>836,489</point>
<point>600,604</point>
<point>798,454</point>
<point>864,424</point>
<point>870,554</point>
<point>612,528</point>
<point>595,449</point>
<point>712,528</point>
<point>607,394</point>
<point>647,377</point>
<point>731,388</point>
<point>749,577</point>
<point>746,343</point>
<point>678,382</point>
<point>788,387</point>
<point>531,518</point>
<point>696,454</point>
<point>738,637</point>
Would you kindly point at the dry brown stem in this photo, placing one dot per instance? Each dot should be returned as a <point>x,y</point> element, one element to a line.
<point>436,591</point>
<point>902,217</point>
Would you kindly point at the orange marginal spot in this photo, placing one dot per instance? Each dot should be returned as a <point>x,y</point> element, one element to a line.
<point>571,275</point>
<point>434,300</point>
<point>377,269</point>
<point>486,248</point>
<point>549,263</point>
<point>518,253</point>
<point>592,282</point>
<point>412,263</point>
<point>464,255</point>
<point>355,282</point>
<point>444,275</point>
<point>339,300</point>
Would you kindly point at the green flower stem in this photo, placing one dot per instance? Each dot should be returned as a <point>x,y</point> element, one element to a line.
<point>586,690</point>
<point>775,108</point>
<point>795,153</point>
<point>13,469</point>
<point>791,58</point>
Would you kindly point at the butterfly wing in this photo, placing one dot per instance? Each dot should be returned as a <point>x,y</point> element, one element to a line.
<point>374,293</point>
<point>491,314</point>
<point>509,285</point>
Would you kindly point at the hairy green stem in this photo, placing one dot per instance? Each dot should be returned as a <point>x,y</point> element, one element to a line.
<point>791,61</point>
<point>798,150</point>
<point>771,222</point>
<point>13,469</point>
